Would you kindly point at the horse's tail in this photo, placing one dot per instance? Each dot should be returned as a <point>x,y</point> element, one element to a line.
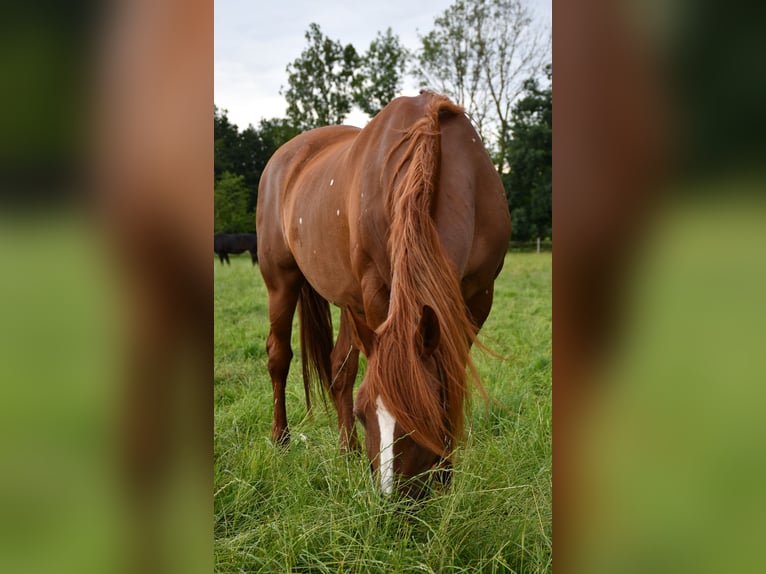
<point>423,275</point>
<point>316,341</point>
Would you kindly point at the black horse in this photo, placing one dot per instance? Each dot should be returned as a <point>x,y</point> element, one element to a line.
<point>225,243</point>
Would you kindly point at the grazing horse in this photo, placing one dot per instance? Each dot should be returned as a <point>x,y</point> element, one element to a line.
<point>225,243</point>
<point>404,225</point>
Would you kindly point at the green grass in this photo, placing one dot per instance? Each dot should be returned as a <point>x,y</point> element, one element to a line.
<point>313,509</point>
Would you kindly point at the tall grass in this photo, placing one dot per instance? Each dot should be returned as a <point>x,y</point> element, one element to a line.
<point>311,508</point>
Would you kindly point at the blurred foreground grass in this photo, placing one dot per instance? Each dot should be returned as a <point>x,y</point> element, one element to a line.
<point>57,395</point>
<point>675,440</point>
<point>63,502</point>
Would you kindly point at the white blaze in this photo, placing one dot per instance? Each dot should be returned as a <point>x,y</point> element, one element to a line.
<point>386,424</point>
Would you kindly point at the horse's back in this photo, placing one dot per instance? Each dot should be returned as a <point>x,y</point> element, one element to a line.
<point>302,152</point>
<point>294,195</point>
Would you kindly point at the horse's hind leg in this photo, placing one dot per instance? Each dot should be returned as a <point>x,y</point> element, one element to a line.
<point>283,298</point>
<point>345,364</point>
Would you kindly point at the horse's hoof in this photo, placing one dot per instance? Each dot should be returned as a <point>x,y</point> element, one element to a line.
<point>281,438</point>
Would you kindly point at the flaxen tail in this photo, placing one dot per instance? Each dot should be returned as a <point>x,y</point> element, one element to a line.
<point>316,341</point>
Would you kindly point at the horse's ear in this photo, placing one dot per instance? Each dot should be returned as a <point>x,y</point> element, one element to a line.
<point>429,332</point>
<point>364,337</point>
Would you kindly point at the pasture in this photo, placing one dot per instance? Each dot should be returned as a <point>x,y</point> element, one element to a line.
<point>311,508</point>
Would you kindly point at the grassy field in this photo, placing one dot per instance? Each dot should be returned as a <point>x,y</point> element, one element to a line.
<point>313,509</point>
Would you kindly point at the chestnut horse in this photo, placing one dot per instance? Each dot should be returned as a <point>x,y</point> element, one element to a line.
<point>404,225</point>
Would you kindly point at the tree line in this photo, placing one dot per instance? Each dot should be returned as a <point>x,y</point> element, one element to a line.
<point>490,56</point>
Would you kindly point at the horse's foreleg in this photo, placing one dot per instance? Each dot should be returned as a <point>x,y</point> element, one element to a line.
<point>282,303</point>
<point>345,364</point>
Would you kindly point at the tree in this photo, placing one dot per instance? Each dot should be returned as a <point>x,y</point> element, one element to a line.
<point>449,61</point>
<point>225,144</point>
<point>528,185</point>
<point>230,205</point>
<point>273,133</point>
<point>238,153</point>
<point>252,155</point>
<point>258,145</point>
<point>381,72</point>
<point>239,161</point>
<point>319,89</point>
<point>479,53</point>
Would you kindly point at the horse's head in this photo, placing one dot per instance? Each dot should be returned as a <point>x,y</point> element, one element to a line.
<point>402,406</point>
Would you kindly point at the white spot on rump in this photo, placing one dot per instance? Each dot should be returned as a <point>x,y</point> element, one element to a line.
<point>331,182</point>
<point>337,213</point>
<point>300,221</point>
<point>386,424</point>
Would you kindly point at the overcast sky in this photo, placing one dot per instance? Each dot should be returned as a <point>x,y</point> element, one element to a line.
<point>256,40</point>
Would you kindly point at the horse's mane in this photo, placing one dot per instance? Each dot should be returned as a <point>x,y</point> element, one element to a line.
<point>432,410</point>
